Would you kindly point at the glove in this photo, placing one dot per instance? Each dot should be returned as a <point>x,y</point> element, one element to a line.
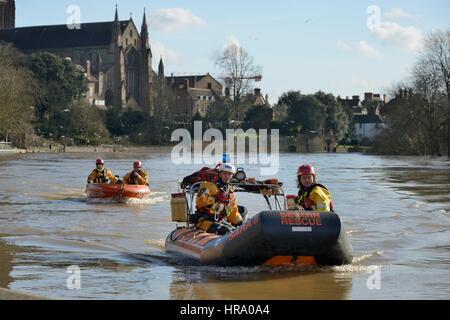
<point>90,182</point>
<point>136,174</point>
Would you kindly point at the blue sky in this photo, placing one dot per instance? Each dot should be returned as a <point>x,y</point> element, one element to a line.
<point>343,47</point>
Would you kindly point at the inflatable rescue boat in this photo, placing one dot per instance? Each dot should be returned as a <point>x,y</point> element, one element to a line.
<point>117,192</point>
<point>269,238</point>
<point>274,237</point>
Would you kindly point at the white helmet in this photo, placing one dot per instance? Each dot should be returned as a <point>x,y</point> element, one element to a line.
<point>226,167</point>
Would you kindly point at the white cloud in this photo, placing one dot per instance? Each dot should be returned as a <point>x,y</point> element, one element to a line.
<point>174,19</point>
<point>408,38</point>
<point>344,46</point>
<point>232,40</point>
<point>170,57</point>
<point>368,50</point>
<point>395,13</point>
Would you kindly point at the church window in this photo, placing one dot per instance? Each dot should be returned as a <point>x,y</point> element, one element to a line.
<point>126,41</point>
<point>131,33</point>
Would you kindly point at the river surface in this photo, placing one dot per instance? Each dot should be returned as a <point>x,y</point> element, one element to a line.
<point>396,212</point>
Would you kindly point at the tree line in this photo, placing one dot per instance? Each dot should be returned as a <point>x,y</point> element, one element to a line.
<point>43,94</point>
<point>418,118</point>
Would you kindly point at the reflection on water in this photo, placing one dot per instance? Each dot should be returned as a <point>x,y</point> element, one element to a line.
<point>301,284</point>
<point>433,184</point>
<point>396,212</point>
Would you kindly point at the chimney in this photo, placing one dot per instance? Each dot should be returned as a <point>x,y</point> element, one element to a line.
<point>88,67</point>
<point>355,98</point>
<point>368,96</point>
<point>257,92</point>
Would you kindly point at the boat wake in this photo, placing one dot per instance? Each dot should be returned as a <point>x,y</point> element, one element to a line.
<point>364,257</point>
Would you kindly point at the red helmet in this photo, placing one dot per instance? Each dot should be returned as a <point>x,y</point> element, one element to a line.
<point>306,169</point>
<point>100,162</point>
<point>137,164</point>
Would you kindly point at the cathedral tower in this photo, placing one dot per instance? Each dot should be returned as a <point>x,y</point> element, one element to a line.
<point>7,14</point>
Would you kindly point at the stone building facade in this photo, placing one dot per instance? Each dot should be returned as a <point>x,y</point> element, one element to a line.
<point>7,14</point>
<point>115,56</point>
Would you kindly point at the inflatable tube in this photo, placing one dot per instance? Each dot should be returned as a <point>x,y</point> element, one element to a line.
<point>119,192</point>
<point>269,238</point>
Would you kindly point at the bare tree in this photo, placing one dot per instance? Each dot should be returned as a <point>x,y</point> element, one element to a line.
<point>239,70</point>
<point>436,60</point>
<point>429,106</point>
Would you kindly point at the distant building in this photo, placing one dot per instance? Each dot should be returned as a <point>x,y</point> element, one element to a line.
<point>367,114</point>
<point>256,99</point>
<point>7,14</point>
<point>115,56</point>
<point>353,104</point>
<point>194,94</point>
<point>368,126</point>
<point>373,103</point>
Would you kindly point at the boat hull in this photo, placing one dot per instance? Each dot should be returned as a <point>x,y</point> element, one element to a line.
<point>269,238</point>
<point>118,192</point>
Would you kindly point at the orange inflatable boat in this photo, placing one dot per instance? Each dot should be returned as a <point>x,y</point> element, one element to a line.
<point>118,192</point>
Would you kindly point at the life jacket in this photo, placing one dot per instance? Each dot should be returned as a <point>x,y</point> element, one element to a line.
<point>219,193</point>
<point>224,196</point>
<point>133,180</point>
<point>305,201</point>
<point>101,176</point>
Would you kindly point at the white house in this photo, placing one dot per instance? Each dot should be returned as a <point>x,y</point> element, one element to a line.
<point>368,126</point>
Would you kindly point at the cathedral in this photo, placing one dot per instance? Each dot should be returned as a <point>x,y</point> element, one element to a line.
<point>7,14</point>
<point>115,57</point>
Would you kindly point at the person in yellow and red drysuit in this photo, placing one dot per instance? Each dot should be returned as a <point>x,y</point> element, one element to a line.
<point>101,174</point>
<point>216,203</point>
<point>137,176</point>
<point>312,196</point>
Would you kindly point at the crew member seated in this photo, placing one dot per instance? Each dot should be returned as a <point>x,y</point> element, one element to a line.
<point>101,174</point>
<point>217,210</point>
<point>137,176</point>
<point>312,196</point>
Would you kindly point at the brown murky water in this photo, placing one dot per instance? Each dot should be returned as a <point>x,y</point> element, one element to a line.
<point>396,211</point>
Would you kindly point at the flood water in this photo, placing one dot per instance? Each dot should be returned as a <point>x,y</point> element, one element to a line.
<point>396,212</point>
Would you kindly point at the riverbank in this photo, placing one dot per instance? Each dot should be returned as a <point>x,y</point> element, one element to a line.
<point>84,149</point>
<point>54,148</point>
<point>6,294</point>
